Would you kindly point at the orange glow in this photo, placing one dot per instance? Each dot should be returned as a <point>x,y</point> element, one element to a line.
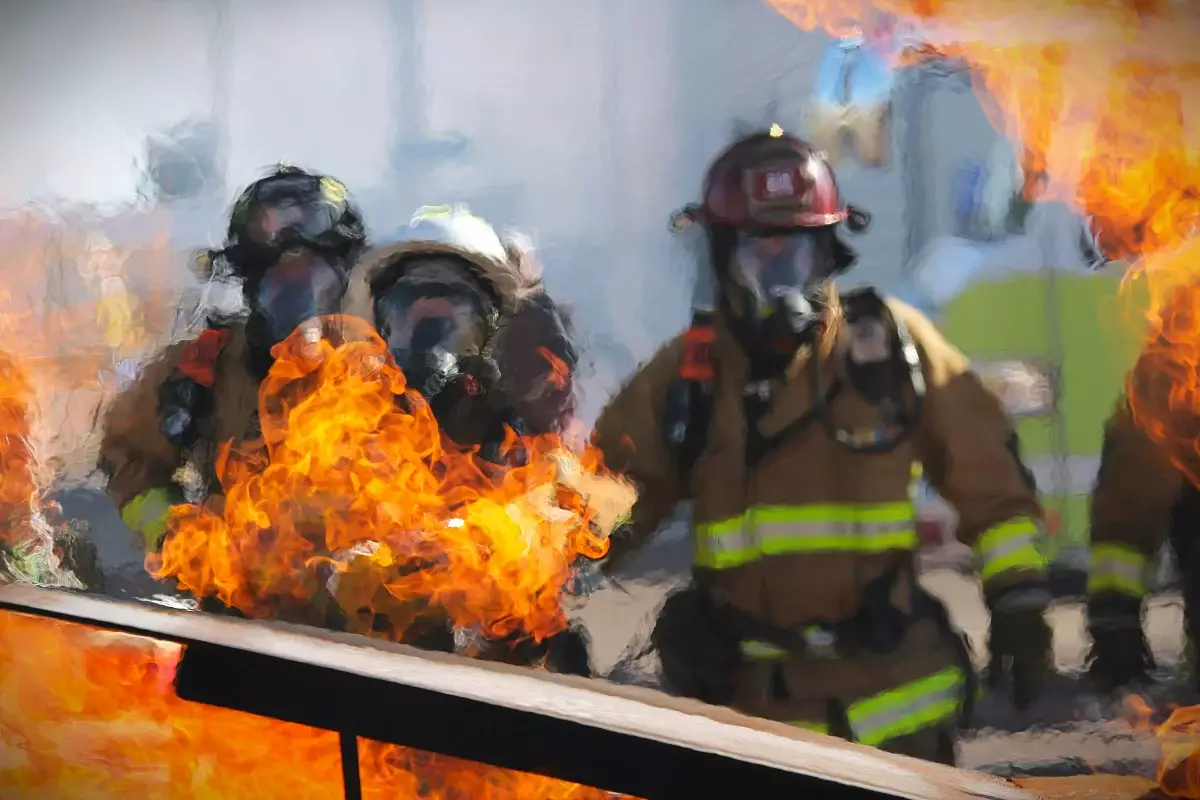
<point>91,715</point>
<point>348,483</point>
<point>1102,97</point>
<point>18,487</point>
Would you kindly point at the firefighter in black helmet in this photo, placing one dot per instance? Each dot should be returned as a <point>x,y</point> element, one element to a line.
<point>292,238</point>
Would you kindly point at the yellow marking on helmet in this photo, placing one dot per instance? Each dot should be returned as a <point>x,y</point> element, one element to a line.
<point>333,189</point>
<point>776,131</point>
<point>432,212</point>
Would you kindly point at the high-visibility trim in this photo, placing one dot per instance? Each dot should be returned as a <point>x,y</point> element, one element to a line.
<point>756,650</point>
<point>1009,546</point>
<point>909,708</point>
<point>1116,568</point>
<point>785,530</point>
<point>146,514</point>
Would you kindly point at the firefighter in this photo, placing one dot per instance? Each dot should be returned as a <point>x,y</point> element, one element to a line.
<point>469,323</point>
<point>1140,501</point>
<point>790,415</point>
<point>292,239</point>
<point>476,335</point>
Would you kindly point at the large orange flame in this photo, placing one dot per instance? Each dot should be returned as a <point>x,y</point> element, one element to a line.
<point>347,481</point>
<point>18,487</point>
<point>91,715</point>
<point>1102,96</point>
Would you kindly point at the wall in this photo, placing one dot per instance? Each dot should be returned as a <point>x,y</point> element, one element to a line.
<point>585,123</point>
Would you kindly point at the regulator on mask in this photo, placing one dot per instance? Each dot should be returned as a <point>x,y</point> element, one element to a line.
<point>777,280</point>
<point>437,323</point>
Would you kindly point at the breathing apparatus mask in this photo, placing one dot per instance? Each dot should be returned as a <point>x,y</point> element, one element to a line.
<point>438,321</point>
<point>776,286</point>
<point>301,285</point>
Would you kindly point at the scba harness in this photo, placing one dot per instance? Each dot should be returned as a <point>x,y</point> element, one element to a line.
<point>883,366</point>
<point>700,637</point>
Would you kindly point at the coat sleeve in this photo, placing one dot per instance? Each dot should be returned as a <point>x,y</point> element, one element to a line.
<point>1136,490</point>
<point>969,451</point>
<point>629,434</point>
<point>135,456</point>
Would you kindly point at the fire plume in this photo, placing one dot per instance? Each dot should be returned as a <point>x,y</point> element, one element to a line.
<point>87,715</point>
<point>18,487</point>
<point>354,497</point>
<point>1102,98</point>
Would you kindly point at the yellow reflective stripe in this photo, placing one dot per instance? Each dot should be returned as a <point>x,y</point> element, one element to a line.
<point>1116,568</point>
<point>146,514</point>
<point>763,651</point>
<point>908,708</point>
<point>782,530</point>
<point>815,727</point>
<point>1010,545</point>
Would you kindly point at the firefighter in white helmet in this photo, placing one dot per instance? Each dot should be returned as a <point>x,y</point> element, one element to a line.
<point>468,322</point>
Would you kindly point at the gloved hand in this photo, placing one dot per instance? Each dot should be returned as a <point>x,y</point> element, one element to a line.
<point>698,656</point>
<point>1120,654</point>
<point>1020,642</point>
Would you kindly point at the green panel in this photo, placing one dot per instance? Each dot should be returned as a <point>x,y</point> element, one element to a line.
<point>1008,319</point>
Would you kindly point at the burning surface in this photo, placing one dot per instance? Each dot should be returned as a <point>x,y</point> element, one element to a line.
<point>353,496</point>
<point>91,714</point>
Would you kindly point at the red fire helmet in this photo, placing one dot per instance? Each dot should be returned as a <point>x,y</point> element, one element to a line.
<point>771,180</point>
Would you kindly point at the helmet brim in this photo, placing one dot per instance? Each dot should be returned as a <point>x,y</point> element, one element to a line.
<point>502,279</point>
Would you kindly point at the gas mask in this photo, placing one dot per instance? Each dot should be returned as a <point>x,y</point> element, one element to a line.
<point>777,282</point>
<point>301,285</point>
<point>437,321</point>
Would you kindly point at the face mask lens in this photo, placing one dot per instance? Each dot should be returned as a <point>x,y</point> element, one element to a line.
<point>418,321</point>
<point>770,265</point>
<point>298,288</point>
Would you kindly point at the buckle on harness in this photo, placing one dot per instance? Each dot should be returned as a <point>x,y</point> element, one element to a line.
<point>820,643</point>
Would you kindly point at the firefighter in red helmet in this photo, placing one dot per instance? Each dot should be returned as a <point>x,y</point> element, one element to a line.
<point>790,415</point>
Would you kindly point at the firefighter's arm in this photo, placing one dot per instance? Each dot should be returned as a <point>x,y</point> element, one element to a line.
<point>629,434</point>
<point>1135,492</point>
<point>968,448</point>
<point>136,457</point>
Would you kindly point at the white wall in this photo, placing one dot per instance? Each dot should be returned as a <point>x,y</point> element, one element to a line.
<point>588,122</point>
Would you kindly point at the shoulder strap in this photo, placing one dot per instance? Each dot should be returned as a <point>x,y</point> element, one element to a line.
<point>690,397</point>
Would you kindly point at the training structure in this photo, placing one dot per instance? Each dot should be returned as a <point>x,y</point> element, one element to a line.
<point>621,739</point>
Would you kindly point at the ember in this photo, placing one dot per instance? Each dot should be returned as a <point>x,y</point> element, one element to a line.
<point>349,496</point>
<point>90,714</point>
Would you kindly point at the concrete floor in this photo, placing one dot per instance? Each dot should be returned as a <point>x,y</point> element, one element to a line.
<point>1069,731</point>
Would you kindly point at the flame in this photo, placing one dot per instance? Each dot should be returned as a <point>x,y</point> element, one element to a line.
<point>560,373</point>
<point>351,498</point>
<point>87,714</point>
<point>18,488</point>
<point>1178,773</point>
<point>1101,96</point>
